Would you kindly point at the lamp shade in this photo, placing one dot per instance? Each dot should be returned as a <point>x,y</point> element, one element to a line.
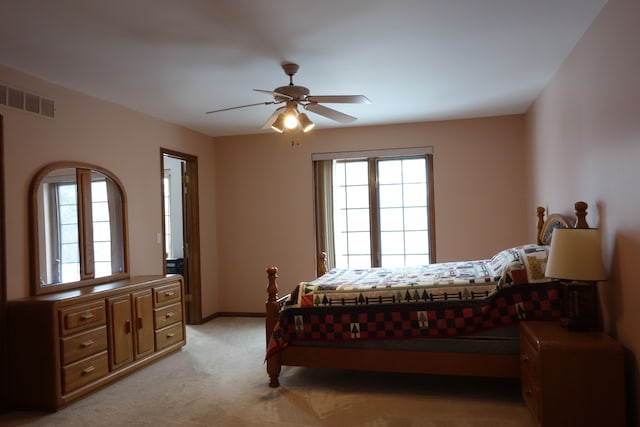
<point>278,125</point>
<point>575,255</point>
<point>305,123</point>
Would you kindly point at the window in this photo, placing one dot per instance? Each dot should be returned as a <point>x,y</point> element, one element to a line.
<point>375,209</point>
<point>166,182</point>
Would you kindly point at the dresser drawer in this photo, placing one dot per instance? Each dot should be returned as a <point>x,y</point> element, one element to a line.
<point>167,315</point>
<point>84,371</point>
<point>531,395</point>
<point>529,358</point>
<point>83,345</point>
<point>81,317</point>
<point>166,295</point>
<point>168,336</point>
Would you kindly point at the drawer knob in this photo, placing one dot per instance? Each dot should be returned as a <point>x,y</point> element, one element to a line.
<point>169,314</point>
<point>171,335</point>
<point>88,370</point>
<point>87,316</point>
<point>87,343</point>
<point>169,294</point>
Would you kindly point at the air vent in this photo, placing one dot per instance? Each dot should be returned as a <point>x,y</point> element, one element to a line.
<point>46,107</point>
<point>32,103</point>
<point>16,98</point>
<point>26,101</point>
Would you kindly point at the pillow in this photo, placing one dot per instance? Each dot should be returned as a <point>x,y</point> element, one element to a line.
<point>521,264</point>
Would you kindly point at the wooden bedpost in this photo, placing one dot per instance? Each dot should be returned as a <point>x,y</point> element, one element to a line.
<point>321,268</point>
<point>581,214</point>
<point>272,314</point>
<point>540,211</point>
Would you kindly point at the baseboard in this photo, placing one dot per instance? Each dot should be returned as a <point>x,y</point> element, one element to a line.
<point>231,314</point>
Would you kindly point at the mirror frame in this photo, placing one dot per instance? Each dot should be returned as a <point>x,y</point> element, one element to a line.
<point>36,287</point>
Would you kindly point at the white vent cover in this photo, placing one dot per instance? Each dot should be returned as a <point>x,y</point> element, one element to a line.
<point>26,101</point>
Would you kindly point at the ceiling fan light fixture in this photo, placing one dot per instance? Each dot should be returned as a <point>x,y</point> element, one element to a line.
<point>278,125</point>
<point>305,123</point>
<point>290,118</point>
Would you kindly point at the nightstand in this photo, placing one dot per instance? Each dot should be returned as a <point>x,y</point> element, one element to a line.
<point>571,378</point>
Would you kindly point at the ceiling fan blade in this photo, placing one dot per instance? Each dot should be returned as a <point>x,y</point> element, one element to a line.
<point>240,106</point>
<point>340,99</point>
<point>329,113</point>
<point>272,118</point>
<point>274,93</point>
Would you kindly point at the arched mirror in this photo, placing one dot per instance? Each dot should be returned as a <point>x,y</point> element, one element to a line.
<point>78,227</point>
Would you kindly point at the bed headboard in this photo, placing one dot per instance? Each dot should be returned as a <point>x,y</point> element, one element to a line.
<point>556,220</point>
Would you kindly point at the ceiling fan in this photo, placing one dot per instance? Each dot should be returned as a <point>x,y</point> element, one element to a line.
<point>288,117</point>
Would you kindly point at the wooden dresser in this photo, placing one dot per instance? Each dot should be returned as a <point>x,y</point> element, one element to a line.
<point>65,345</point>
<point>571,378</point>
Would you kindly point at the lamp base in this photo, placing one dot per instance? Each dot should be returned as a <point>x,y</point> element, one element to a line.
<point>581,306</point>
<point>582,325</point>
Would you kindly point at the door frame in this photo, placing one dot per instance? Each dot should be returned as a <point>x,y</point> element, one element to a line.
<point>4,356</point>
<point>191,234</point>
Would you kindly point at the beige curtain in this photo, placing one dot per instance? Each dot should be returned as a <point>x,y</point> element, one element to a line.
<point>323,182</point>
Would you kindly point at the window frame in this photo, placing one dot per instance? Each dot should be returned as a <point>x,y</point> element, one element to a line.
<point>322,183</point>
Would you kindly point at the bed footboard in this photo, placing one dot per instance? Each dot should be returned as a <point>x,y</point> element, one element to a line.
<point>272,314</point>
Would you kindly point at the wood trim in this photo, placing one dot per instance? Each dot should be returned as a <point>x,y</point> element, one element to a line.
<point>417,362</point>
<point>193,288</point>
<point>431,200</point>
<point>546,225</point>
<point>4,364</point>
<point>85,221</point>
<point>193,231</point>
<point>234,314</point>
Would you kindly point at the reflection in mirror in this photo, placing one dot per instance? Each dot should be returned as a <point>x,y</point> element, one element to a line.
<point>59,251</point>
<point>80,228</point>
<point>106,203</point>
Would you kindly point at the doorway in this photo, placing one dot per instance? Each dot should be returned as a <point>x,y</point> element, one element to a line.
<point>180,226</point>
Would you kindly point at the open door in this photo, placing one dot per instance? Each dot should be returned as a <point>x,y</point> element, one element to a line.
<point>181,230</point>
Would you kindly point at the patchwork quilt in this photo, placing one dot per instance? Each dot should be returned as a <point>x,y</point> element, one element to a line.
<point>427,301</point>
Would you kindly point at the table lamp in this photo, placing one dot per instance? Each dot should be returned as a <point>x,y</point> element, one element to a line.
<point>575,259</point>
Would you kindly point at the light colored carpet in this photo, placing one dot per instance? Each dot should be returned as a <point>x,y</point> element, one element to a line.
<point>219,379</point>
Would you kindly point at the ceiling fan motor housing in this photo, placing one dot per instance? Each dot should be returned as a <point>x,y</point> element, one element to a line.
<point>298,93</point>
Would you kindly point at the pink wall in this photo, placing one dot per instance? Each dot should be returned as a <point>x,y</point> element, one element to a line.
<point>128,144</point>
<point>585,136</point>
<point>265,197</point>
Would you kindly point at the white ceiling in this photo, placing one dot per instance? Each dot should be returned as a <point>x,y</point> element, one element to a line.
<point>417,60</point>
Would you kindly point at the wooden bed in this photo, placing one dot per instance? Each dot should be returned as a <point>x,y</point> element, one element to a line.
<point>385,359</point>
